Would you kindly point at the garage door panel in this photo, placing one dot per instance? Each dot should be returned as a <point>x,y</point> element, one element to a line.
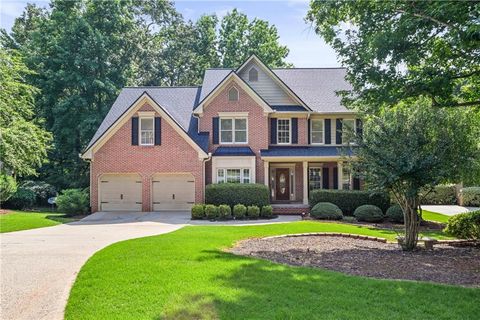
<point>121,192</point>
<point>173,192</point>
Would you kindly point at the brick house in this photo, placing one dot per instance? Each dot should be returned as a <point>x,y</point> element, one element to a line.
<point>158,147</point>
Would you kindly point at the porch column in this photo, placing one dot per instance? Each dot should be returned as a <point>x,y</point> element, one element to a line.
<point>266,173</point>
<point>340,174</point>
<point>305,182</point>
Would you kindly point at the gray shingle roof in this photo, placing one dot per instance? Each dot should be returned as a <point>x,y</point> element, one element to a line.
<point>211,79</point>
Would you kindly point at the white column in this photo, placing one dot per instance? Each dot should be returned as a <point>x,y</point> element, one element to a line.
<point>305,182</point>
<point>340,175</point>
<point>266,174</point>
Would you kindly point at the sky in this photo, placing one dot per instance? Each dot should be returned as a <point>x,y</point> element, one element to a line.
<point>307,49</point>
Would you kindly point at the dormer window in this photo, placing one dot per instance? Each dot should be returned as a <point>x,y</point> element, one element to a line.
<point>253,75</point>
<point>233,94</point>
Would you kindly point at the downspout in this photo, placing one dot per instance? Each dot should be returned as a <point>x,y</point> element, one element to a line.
<point>203,173</point>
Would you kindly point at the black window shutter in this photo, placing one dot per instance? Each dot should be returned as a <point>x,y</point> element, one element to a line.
<point>359,128</point>
<point>328,131</point>
<point>356,184</point>
<point>338,139</point>
<point>294,130</point>
<point>335,178</point>
<point>215,129</point>
<point>309,124</point>
<point>134,131</point>
<point>273,130</point>
<point>325,178</point>
<point>158,131</point>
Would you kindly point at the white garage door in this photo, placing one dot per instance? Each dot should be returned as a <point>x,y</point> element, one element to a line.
<point>173,191</point>
<point>120,192</point>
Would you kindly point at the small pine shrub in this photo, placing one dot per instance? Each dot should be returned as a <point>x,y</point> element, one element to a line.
<point>253,212</point>
<point>211,211</point>
<point>198,211</point>
<point>369,213</point>
<point>224,211</point>
<point>239,211</point>
<point>266,212</point>
<point>395,214</point>
<point>73,201</point>
<point>326,210</point>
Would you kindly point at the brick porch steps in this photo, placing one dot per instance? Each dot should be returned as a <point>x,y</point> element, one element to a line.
<point>290,208</point>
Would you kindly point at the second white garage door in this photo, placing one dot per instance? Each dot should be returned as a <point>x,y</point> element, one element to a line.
<point>120,192</point>
<point>173,191</point>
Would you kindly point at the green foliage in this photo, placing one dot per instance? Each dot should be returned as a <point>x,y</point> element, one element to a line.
<point>22,199</point>
<point>470,196</point>
<point>401,49</point>
<point>253,212</point>
<point>42,190</point>
<point>211,211</point>
<point>327,211</point>
<point>233,193</point>
<point>349,200</point>
<point>239,211</point>
<point>198,211</point>
<point>8,187</point>
<point>395,214</point>
<point>369,213</point>
<point>224,211</point>
<point>266,212</point>
<point>73,201</point>
<point>441,194</point>
<point>465,225</point>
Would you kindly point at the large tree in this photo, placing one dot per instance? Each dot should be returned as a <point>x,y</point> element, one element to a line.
<point>414,146</point>
<point>400,49</point>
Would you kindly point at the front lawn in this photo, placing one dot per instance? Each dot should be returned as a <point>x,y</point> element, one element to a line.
<point>433,216</point>
<point>24,220</point>
<point>186,275</point>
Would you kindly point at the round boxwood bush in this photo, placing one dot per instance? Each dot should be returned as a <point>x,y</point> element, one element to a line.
<point>198,211</point>
<point>253,212</point>
<point>464,225</point>
<point>22,199</point>
<point>266,212</point>
<point>73,201</point>
<point>368,213</point>
<point>211,211</point>
<point>326,210</point>
<point>224,211</point>
<point>239,211</point>
<point>395,214</point>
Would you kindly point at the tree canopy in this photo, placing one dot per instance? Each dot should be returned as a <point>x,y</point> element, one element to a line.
<point>400,49</point>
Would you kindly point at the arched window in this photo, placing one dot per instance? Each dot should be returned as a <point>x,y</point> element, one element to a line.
<point>253,75</point>
<point>233,94</point>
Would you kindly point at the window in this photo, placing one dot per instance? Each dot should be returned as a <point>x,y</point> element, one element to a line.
<point>233,130</point>
<point>253,75</point>
<point>146,131</point>
<point>346,179</point>
<point>233,94</point>
<point>348,128</point>
<point>314,178</point>
<point>283,131</point>
<point>316,131</point>
<point>233,175</point>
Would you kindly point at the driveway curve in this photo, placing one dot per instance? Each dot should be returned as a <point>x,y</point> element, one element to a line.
<point>38,266</point>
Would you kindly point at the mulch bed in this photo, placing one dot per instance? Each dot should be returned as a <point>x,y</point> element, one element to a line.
<point>444,264</point>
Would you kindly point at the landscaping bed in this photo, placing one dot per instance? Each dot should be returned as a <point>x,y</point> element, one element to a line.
<point>360,257</point>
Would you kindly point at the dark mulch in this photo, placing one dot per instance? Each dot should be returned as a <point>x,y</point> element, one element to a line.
<point>444,264</point>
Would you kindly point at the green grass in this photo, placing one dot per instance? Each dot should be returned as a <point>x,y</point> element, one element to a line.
<point>23,220</point>
<point>186,275</point>
<point>433,216</point>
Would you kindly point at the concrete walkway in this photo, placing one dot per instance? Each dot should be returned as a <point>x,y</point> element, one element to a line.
<point>38,266</point>
<point>450,210</point>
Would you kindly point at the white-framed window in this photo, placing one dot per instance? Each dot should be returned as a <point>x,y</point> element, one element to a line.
<point>283,131</point>
<point>146,131</point>
<point>346,179</point>
<point>233,94</point>
<point>233,130</point>
<point>253,75</point>
<point>314,178</point>
<point>348,127</point>
<point>317,131</point>
<point>233,175</point>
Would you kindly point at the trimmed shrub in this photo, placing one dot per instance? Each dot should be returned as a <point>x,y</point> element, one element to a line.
<point>441,194</point>
<point>326,210</point>
<point>349,200</point>
<point>8,187</point>
<point>395,214</point>
<point>42,191</point>
<point>239,211</point>
<point>233,193</point>
<point>198,211</point>
<point>73,201</point>
<point>266,212</point>
<point>253,212</point>
<point>211,211</point>
<point>470,196</point>
<point>349,219</point>
<point>22,199</point>
<point>224,211</point>
<point>464,225</point>
<point>368,213</point>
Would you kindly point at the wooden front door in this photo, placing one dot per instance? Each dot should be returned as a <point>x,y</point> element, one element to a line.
<point>282,184</point>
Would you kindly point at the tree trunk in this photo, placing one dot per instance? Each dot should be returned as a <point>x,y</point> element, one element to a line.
<point>412,222</point>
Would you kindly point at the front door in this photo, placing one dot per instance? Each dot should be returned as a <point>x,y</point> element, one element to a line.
<point>282,185</point>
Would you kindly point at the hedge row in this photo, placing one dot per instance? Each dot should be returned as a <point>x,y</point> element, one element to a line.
<point>470,196</point>
<point>465,225</point>
<point>233,193</point>
<point>349,200</point>
<point>225,212</point>
<point>441,194</point>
